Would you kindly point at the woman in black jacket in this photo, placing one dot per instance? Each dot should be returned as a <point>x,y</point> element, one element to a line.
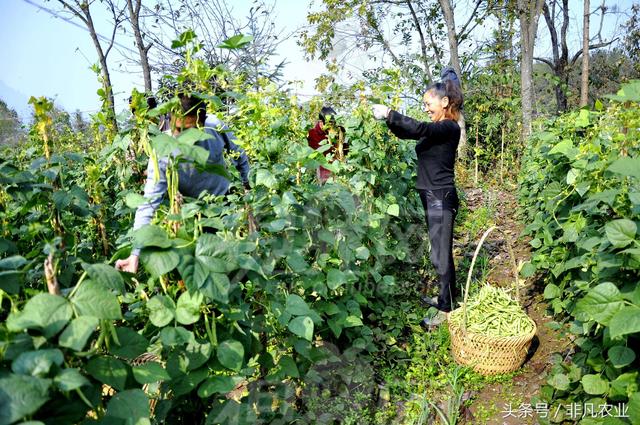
<point>436,151</point>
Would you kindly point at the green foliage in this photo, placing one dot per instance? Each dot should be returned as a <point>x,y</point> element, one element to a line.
<point>218,311</point>
<point>579,187</point>
<point>10,125</point>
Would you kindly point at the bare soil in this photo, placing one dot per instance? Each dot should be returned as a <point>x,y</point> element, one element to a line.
<point>510,404</point>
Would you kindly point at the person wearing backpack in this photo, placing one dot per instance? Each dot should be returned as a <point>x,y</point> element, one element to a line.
<point>436,151</point>
<point>191,181</point>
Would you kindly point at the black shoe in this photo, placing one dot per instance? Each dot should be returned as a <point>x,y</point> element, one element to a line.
<point>430,301</point>
<point>433,302</point>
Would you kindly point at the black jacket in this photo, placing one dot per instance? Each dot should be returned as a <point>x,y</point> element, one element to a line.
<point>436,148</point>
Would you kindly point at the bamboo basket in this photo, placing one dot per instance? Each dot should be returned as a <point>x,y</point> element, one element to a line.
<point>489,355</point>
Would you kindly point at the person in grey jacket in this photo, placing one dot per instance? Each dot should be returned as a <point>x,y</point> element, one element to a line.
<point>191,182</point>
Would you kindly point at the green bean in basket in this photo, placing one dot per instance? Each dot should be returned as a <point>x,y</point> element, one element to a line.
<point>492,312</point>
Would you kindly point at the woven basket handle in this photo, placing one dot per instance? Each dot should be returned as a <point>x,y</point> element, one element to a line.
<point>473,262</point>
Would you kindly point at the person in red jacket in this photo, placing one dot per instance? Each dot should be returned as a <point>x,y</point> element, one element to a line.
<point>316,135</point>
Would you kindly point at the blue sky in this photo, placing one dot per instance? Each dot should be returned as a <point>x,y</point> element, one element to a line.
<point>46,56</point>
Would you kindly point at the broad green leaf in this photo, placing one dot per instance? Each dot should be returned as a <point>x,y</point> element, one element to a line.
<point>352,321</point>
<point>552,291</point>
<point>236,42</point>
<point>296,261</point>
<point>47,312</point>
<point>624,385</point>
<point>566,148</point>
<point>296,305</point>
<point>628,167</point>
<point>176,336</point>
<point>70,379</point>
<point>134,200</point>
<point>302,326</point>
<point>394,210</point>
<point>583,118</point>
<point>620,356</point>
<point>362,253</point>
<point>265,178</point>
<point>188,309</point>
<point>277,225</point>
<point>600,304</point>
<point>183,39</point>
<point>10,281</point>
<point>77,333</point>
<point>620,232</point>
<point>108,370</point>
<point>288,366</point>
<point>150,372</point>
<point>38,362</point>
<point>193,135</point>
<point>105,275</point>
<point>197,269</point>
<point>247,262</point>
<point>572,176</point>
<point>634,408</point>
<point>528,269</point>
<point>629,92</point>
<point>132,406</point>
<point>161,310</point>
<point>159,263</point>
<point>197,354</point>
<point>625,322</point>
<point>559,381</point>
<point>151,235</point>
<point>218,384</point>
<point>216,287</point>
<point>335,278</point>
<point>12,263</point>
<point>21,396</point>
<point>132,344</point>
<point>230,353</point>
<point>94,300</point>
<point>185,384</point>
<point>594,384</point>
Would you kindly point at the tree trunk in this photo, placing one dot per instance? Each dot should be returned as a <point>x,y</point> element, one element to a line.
<point>134,18</point>
<point>447,11</point>
<point>82,12</point>
<point>528,12</point>
<point>108,87</point>
<point>584,86</point>
<point>449,18</point>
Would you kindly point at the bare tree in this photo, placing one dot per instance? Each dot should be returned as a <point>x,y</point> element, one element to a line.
<point>584,85</point>
<point>82,11</point>
<point>528,13</point>
<point>213,22</point>
<point>561,62</point>
<point>134,7</point>
<point>364,23</point>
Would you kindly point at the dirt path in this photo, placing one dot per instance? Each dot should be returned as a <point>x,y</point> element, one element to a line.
<point>510,403</point>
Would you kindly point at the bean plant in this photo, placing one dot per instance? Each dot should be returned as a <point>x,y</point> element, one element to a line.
<point>580,190</point>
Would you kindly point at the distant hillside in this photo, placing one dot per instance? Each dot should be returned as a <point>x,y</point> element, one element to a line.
<point>15,100</point>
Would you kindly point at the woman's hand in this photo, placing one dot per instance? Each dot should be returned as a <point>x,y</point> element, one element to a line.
<point>129,264</point>
<point>380,112</point>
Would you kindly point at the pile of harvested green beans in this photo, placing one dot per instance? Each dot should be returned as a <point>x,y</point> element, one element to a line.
<point>492,312</point>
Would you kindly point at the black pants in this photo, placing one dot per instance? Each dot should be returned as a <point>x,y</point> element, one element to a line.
<point>441,207</point>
